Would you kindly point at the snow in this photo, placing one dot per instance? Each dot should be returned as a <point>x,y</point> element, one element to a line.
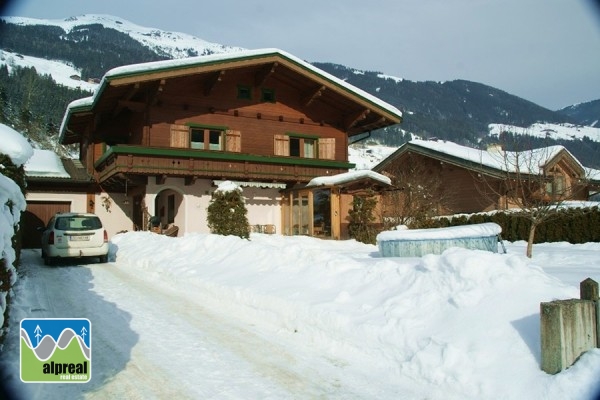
<point>368,156</point>
<point>461,325</point>
<point>529,161</point>
<point>348,177</point>
<point>14,145</point>
<point>171,44</point>
<point>564,131</point>
<point>12,203</point>
<point>453,232</point>
<point>59,71</point>
<point>227,186</point>
<point>45,163</point>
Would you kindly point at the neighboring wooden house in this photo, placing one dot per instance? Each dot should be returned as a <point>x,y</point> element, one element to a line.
<point>158,137</point>
<point>467,180</point>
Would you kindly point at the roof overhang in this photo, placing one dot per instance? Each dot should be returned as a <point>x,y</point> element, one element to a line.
<point>380,114</point>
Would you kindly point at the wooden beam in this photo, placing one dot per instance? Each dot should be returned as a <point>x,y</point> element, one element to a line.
<point>375,124</point>
<point>128,96</point>
<point>154,94</point>
<point>262,75</point>
<point>212,81</point>
<point>313,96</point>
<point>136,106</point>
<point>353,119</point>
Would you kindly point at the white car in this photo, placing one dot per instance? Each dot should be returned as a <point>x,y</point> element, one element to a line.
<point>74,235</point>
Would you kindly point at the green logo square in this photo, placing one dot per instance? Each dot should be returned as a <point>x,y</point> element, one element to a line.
<point>56,350</point>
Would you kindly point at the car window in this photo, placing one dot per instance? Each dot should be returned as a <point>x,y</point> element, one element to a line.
<point>75,223</point>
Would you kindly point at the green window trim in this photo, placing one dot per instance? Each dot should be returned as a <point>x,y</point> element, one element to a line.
<point>204,126</point>
<point>267,95</point>
<point>301,135</point>
<point>244,92</point>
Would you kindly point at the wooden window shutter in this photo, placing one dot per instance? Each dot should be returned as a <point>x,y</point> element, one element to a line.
<point>327,148</point>
<point>282,145</point>
<point>180,136</point>
<point>233,141</point>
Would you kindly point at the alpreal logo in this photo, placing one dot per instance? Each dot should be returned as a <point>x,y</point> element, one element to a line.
<point>56,350</point>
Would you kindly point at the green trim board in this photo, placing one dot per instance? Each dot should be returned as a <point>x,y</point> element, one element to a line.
<point>204,126</point>
<point>301,135</point>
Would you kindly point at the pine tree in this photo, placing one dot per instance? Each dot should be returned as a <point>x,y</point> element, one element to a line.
<point>361,219</point>
<point>227,214</point>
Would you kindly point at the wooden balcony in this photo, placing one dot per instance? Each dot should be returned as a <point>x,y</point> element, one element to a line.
<point>194,164</point>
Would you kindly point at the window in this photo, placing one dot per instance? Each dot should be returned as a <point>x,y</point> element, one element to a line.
<point>197,141</point>
<point>207,139</point>
<point>244,92</point>
<point>557,186</point>
<point>309,148</point>
<point>267,95</point>
<point>215,140</point>
<point>301,145</point>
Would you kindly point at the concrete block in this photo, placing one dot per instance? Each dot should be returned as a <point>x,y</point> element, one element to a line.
<point>568,329</point>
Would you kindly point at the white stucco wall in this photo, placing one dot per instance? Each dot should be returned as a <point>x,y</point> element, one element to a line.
<point>263,204</point>
<point>77,200</point>
<point>191,203</point>
<point>114,214</point>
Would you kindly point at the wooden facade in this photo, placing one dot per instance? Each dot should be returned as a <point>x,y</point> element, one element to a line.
<point>250,116</point>
<point>465,183</point>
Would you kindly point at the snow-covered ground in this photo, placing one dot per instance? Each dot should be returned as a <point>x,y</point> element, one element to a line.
<point>273,317</point>
<point>563,131</point>
<point>61,72</point>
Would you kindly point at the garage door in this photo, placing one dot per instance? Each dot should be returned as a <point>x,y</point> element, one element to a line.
<point>37,215</point>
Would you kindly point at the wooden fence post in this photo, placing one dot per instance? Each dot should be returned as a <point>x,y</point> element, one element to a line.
<point>569,328</point>
<point>589,291</point>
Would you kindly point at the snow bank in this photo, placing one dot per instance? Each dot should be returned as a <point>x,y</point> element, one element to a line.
<point>461,325</point>
<point>14,145</point>
<point>12,203</point>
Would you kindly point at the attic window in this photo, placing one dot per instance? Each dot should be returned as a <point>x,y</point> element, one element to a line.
<point>267,95</point>
<point>244,92</point>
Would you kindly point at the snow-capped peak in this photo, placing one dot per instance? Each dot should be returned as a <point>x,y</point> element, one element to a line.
<point>166,43</point>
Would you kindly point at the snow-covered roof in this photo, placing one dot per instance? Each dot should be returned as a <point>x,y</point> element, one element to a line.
<point>45,163</point>
<point>185,63</point>
<point>347,177</point>
<point>145,68</point>
<point>14,145</point>
<point>529,162</point>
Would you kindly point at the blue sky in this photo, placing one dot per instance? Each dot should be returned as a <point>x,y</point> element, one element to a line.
<point>546,51</point>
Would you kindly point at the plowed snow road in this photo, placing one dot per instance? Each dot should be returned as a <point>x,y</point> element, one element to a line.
<point>152,340</point>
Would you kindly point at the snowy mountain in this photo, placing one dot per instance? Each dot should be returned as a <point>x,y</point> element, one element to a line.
<point>564,131</point>
<point>163,43</point>
<point>77,49</point>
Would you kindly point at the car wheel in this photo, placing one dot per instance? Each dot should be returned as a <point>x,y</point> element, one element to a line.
<point>48,260</point>
<point>104,259</point>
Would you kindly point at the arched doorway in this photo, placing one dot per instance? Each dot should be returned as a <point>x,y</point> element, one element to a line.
<point>169,212</point>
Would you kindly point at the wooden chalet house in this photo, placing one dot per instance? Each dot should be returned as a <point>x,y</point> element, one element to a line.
<point>159,137</point>
<point>468,180</point>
